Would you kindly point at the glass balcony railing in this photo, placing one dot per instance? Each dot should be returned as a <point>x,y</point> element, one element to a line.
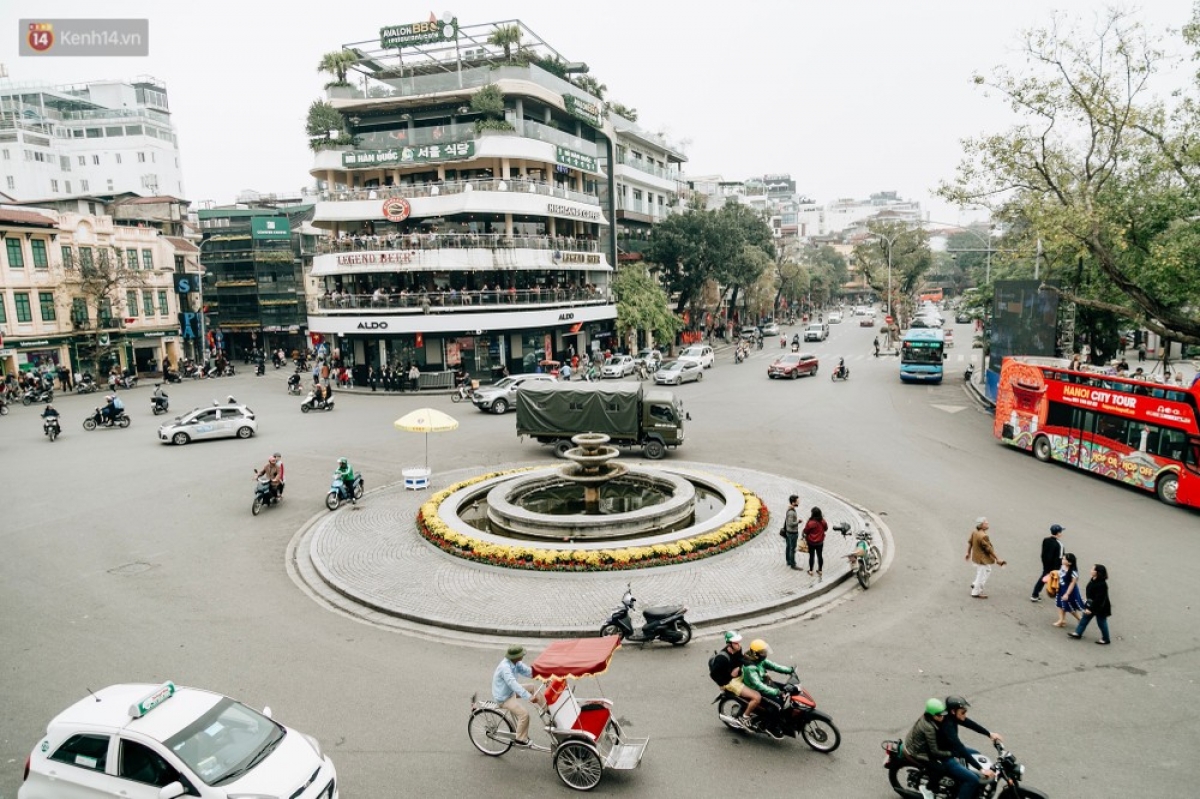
<point>643,165</point>
<point>435,241</point>
<point>450,301</point>
<point>443,187</point>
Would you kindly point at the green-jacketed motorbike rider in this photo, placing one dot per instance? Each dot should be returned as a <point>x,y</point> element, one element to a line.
<point>754,673</point>
<point>346,472</point>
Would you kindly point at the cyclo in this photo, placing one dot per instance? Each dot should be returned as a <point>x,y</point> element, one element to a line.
<point>585,737</point>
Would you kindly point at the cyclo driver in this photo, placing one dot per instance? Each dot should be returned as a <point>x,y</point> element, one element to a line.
<point>754,674</point>
<point>725,669</point>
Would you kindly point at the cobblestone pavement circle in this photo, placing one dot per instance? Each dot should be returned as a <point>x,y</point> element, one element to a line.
<point>368,560</point>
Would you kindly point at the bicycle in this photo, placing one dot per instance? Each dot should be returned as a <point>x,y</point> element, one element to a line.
<point>866,558</point>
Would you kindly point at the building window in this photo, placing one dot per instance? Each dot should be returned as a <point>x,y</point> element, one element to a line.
<point>148,259</point>
<point>7,157</point>
<point>162,303</point>
<point>64,163</point>
<point>46,301</point>
<point>118,157</point>
<point>102,258</point>
<point>96,160</point>
<point>83,160</point>
<point>83,185</point>
<point>68,257</point>
<point>79,311</point>
<point>12,184</point>
<point>54,186</point>
<point>21,300</point>
<point>67,184</point>
<point>141,158</point>
<point>16,258</point>
<point>40,261</point>
<point>131,302</point>
<point>131,259</point>
<point>85,258</point>
<point>104,314</point>
<point>110,184</point>
<point>147,303</point>
<point>3,314</point>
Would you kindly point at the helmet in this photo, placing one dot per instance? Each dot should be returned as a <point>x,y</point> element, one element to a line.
<point>108,398</point>
<point>342,461</point>
<point>759,649</point>
<point>956,702</point>
<point>935,707</point>
<point>733,637</point>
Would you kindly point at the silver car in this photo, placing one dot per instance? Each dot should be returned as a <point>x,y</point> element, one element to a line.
<point>677,372</point>
<point>217,421</point>
<point>618,366</point>
<point>500,397</point>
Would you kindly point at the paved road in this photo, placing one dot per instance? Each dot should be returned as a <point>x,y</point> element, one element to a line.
<point>126,560</point>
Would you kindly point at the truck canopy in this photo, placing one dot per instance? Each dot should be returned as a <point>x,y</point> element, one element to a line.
<point>557,409</point>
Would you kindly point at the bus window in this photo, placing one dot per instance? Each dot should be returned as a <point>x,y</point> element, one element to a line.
<point>1110,428</point>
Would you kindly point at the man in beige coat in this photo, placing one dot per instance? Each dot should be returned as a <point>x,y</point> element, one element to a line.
<point>983,555</point>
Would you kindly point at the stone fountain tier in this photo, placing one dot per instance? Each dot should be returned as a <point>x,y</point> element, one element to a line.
<point>583,474</point>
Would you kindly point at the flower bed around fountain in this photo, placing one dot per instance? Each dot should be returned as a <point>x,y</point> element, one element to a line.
<point>463,544</point>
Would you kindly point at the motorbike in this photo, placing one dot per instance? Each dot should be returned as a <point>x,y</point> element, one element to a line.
<point>797,716</point>
<point>338,494</point>
<point>277,361</point>
<point>311,403</point>
<point>967,375</point>
<point>263,495</point>
<point>913,781</point>
<point>666,623</point>
<point>159,402</point>
<point>125,381</point>
<point>86,384</point>
<point>173,377</point>
<point>841,372</point>
<point>119,419</point>
<point>293,384</point>
<point>465,392</point>
<point>260,368</point>
<point>51,427</point>
<point>193,371</point>
<point>33,395</point>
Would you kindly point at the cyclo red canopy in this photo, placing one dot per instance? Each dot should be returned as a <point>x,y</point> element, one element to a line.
<point>576,657</point>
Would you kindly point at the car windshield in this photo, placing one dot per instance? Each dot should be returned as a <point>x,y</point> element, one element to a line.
<point>692,352</point>
<point>226,742</point>
<point>505,382</point>
<point>673,366</point>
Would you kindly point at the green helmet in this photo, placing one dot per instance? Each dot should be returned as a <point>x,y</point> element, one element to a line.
<point>935,707</point>
<point>342,461</point>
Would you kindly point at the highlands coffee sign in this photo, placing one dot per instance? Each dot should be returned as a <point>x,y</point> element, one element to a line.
<point>412,34</point>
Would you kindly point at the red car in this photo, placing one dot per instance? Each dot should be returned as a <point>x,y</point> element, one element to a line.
<point>867,321</point>
<point>793,365</point>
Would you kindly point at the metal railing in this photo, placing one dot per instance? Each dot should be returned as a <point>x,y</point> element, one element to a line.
<point>448,301</point>
<point>437,241</point>
<point>447,187</point>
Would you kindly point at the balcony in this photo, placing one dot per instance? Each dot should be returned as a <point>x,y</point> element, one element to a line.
<point>456,241</point>
<point>449,187</point>
<point>441,302</point>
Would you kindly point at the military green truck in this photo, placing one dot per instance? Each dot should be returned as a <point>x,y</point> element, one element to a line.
<point>631,416</point>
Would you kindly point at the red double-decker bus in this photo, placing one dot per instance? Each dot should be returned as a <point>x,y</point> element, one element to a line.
<point>1141,433</point>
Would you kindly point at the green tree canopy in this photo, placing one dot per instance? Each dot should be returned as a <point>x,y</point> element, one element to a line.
<point>337,63</point>
<point>506,36</point>
<point>322,119</point>
<point>911,258</point>
<point>1105,177</point>
<point>643,305</point>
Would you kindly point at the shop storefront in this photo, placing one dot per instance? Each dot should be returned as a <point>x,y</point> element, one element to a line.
<point>23,355</point>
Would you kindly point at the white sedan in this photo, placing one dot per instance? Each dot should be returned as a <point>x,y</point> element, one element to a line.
<point>141,741</point>
<point>218,421</point>
<point>678,372</point>
<point>701,353</point>
<point>618,366</point>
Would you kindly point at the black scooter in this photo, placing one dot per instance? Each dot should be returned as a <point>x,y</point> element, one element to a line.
<point>159,402</point>
<point>666,623</point>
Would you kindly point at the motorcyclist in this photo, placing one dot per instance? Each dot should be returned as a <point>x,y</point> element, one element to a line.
<point>159,397</point>
<point>922,744</point>
<point>294,381</point>
<point>282,473</point>
<point>346,472</point>
<point>109,411</point>
<point>956,716</point>
<point>841,368</point>
<point>274,476</point>
<point>48,413</point>
<point>754,674</point>
<point>725,669</point>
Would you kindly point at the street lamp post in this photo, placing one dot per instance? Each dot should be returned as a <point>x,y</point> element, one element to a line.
<point>203,354</point>
<point>890,241</point>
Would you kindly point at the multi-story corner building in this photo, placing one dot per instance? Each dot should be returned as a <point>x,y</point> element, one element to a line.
<point>79,290</point>
<point>254,284</point>
<point>472,235</point>
<point>649,185</point>
<point>102,137</point>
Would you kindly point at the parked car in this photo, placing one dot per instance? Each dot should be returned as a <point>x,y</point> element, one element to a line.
<point>818,331</point>
<point>218,421</point>
<point>793,365</point>
<point>678,372</point>
<point>502,395</point>
<point>699,352</point>
<point>618,366</point>
<point>770,329</point>
<point>163,741</point>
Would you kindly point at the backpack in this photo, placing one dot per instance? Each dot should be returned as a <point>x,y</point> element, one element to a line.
<point>712,665</point>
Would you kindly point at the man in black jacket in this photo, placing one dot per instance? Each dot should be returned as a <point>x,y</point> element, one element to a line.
<point>968,781</point>
<point>1052,554</point>
<point>725,669</point>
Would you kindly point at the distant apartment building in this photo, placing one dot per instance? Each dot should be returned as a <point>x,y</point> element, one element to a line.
<point>100,137</point>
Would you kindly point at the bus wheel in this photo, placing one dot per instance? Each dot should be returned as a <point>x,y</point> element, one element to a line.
<point>1166,488</point>
<point>1041,449</point>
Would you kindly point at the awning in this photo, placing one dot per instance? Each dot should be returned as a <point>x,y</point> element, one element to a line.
<point>576,657</point>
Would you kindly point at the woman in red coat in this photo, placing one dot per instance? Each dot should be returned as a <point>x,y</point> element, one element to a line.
<point>814,536</point>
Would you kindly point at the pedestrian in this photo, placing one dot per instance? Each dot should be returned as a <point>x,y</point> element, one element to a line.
<point>414,377</point>
<point>1052,552</point>
<point>372,378</point>
<point>791,531</point>
<point>876,346</point>
<point>983,555</point>
<point>1069,599</point>
<point>814,536</point>
<point>1097,605</point>
<point>1141,352</point>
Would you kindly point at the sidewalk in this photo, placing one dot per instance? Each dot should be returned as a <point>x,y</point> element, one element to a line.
<point>369,562</point>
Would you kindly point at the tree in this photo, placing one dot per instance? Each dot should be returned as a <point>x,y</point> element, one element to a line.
<point>337,63</point>
<point>642,305</point>
<point>590,85</point>
<point>506,36</point>
<point>101,282</point>
<point>622,111</point>
<point>1106,179</point>
<point>489,102</point>
<point>910,259</point>
<point>323,119</point>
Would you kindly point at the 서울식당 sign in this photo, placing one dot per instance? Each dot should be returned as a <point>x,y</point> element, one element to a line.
<point>578,160</point>
<point>410,34</point>
<point>395,156</point>
<point>396,209</point>
<point>582,109</point>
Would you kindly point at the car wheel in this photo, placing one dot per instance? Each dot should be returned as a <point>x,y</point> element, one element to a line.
<point>180,439</point>
<point>244,432</point>
<point>795,373</point>
<point>499,406</point>
<point>699,376</point>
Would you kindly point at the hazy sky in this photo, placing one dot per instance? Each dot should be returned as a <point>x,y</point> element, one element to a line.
<point>849,97</point>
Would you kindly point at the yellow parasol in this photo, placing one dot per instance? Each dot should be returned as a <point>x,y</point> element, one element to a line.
<point>426,420</point>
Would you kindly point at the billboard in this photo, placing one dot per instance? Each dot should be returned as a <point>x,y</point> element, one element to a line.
<point>270,228</point>
<point>1024,320</point>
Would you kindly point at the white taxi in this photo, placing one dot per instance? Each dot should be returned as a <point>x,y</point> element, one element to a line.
<point>142,741</point>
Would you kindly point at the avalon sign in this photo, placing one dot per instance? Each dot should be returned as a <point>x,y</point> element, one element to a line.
<point>410,34</point>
